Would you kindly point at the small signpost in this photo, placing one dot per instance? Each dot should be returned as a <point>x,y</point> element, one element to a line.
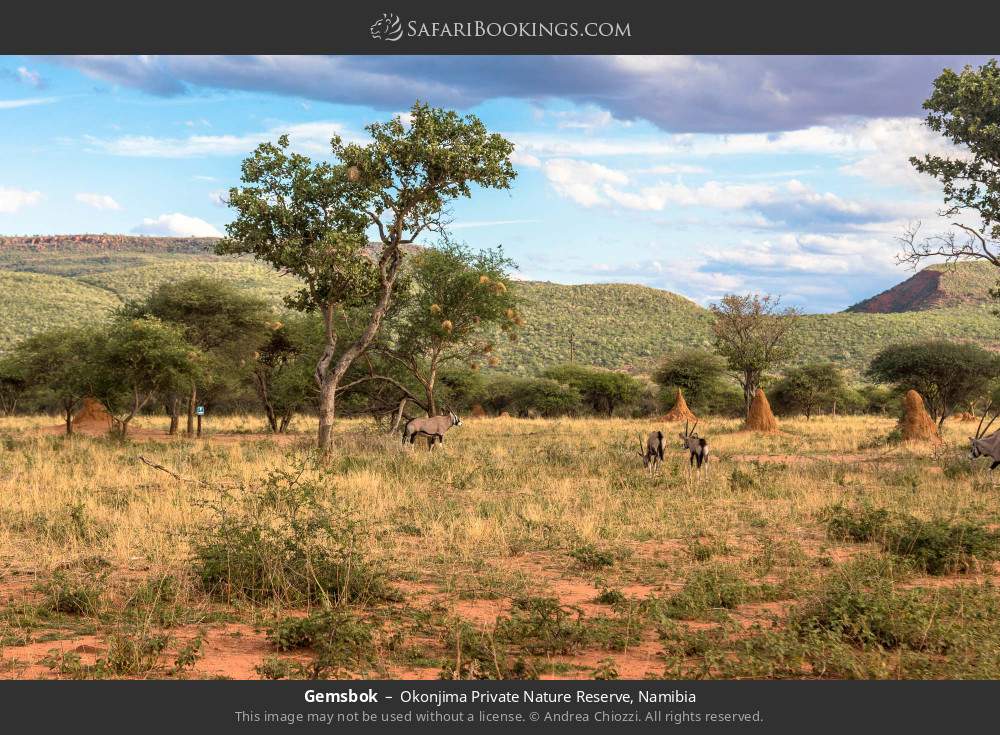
<point>199,411</point>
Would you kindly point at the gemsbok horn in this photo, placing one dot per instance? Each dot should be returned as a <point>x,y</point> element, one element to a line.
<point>983,445</point>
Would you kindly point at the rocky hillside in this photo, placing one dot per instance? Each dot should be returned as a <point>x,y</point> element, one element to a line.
<point>934,287</point>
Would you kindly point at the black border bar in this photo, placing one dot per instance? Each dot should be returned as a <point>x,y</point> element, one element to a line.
<point>219,707</point>
<point>342,27</point>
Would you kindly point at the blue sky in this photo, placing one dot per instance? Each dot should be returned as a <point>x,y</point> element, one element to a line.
<point>701,175</point>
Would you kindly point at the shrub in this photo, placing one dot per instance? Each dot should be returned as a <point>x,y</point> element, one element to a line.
<point>610,597</point>
<point>286,541</point>
<point>544,397</point>
<point>542,626</point>
<point>65,593</point>
<point>936,546</point>
<point>479,655</point>
<point>590,557</point>
<point>707,588</point>
<point>157,600</point>
<point>335,631</point>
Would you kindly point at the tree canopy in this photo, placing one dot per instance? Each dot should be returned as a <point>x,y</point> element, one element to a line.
<point>225,324</point>
<point>754,334</point>
<point>964,107</point>
<point>133,360</point>
<point>600,390</point>
<point>698,373</point>
<point>460,301</point>
<point>947,374</point>
<point>809,388</point>
<point>57,365</point>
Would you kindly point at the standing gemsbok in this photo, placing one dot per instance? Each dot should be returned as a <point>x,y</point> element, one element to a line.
<point>697,446</point>
<point>433,427</point>
<point>986,445</point>
<point>653,454</point>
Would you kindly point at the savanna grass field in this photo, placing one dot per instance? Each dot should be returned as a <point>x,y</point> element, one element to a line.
<point>519,549</point>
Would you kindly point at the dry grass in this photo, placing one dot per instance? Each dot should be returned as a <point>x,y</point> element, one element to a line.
<point>507,507</point>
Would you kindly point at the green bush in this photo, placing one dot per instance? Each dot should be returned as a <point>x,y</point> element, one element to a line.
<point>590,557</point>
<point>935,546</point>
<point>542,626</point>
<point>286,541</point>
<point>339,638</point>
<point>65,593</point>
<point>707,588</point>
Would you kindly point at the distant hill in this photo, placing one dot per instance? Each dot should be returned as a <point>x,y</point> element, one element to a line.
<point>73,279</point>
<point>936,286</point>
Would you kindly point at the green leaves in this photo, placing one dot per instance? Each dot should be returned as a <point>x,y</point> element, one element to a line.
<point>965,108</point>
<point>947,374</point>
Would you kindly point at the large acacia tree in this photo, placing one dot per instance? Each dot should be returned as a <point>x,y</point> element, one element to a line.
<point>947,374</point>
<point>311,219</point>
<point>135,360</point>
<point>754,334</point>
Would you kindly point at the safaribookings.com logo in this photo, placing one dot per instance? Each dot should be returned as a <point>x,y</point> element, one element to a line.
<point>390,28</point>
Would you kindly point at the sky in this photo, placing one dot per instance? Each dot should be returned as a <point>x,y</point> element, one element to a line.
<point>701,175</point>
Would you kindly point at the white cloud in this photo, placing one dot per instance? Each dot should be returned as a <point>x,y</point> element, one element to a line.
<point>891,142</point>
<point>587,119</point>
<point>582,181</point>
<point>790,205</point>
<point>524,159</point>
<point>12,199</point>
<point>176,225</point>
<point>852,139</point>
<point>670,168</point>
<point>470,224</point>
<point>311,137</point>
<point>27,102</point>
<point>98,201</point>
<point>29,77</point>
<point>842,255</point>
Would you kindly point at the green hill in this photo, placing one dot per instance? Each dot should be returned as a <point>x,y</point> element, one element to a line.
<point>60,281</point>
<point>33,302</point>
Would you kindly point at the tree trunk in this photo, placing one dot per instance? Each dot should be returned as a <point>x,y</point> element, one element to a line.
<point>175,420</point>
<point>748,391</point>
<point>388,267</point>
<point>192,402</point>
<point>399,416</point>
<point>260,381</point>
<point>431,404</point>
<point>69,419</point>
<point>285,421</point>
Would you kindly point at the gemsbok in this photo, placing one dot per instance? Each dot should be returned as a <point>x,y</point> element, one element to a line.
<point>433,427</point>
<point>653,454</point>
<point>983,445</point>
<point>696,445</point>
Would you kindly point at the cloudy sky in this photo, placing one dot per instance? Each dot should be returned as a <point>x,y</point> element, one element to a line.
<point>702,175</point>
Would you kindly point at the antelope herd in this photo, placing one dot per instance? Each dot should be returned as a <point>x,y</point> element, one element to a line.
<point>652,453</point>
